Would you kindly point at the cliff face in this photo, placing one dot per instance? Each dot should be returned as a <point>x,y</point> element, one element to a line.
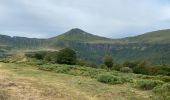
<point>153,46</point>
<point>21,42</point>
<point>156,53</point>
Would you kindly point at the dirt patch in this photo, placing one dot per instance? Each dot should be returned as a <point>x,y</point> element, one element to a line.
<point>12,89</point>
<point>22,88</point>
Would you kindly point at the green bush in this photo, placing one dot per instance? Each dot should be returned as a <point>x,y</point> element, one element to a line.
<point>165,78</point>
<point>66,56</point>
<point>51,57</point>
<point>108,61</point>
<point>142,68</point>
<point>163,92</point>
<point>130,64</point>
<point>147,84</point>
<point>116,67</point>
<point>38,54</point>
<point>163,70</point>
<point>110,79</point>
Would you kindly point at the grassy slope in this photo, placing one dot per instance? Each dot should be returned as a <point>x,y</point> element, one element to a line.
<point>23,82</point>
<point>162,36</point>
<point>78,35</point>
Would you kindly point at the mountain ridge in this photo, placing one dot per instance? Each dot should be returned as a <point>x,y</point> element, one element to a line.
<point>162,36</point>
<point>151,46</point>
<point>79,35</point>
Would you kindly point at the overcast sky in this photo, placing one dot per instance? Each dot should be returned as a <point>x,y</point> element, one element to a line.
<point>109,18</point>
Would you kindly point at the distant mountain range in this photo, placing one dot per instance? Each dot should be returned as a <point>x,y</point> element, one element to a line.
<point>152,46</point>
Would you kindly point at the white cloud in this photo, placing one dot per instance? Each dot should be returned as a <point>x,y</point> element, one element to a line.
<point>111,18</point>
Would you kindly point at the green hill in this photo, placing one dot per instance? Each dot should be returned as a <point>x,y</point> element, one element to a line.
<point>160,37</point>
<point>78,35</point>
<point>152,46</point>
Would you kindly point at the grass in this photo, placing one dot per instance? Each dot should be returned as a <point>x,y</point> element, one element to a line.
<point>30,83</point>
<point>147,84</point>
<point>162,92</point>
<point>3,95</point>
<point>111,79</point>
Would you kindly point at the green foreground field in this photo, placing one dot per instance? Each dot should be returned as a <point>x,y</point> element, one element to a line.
<point>27,82</point>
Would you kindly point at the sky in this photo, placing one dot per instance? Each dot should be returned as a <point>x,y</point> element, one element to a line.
<point>108,18</point>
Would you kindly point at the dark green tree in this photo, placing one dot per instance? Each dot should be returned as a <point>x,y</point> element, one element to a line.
<point>66,56</point>
<point>108,61</point>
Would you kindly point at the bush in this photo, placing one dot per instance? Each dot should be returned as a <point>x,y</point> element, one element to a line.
<point>165,78</point>
<point>116,67</point>
<point>102,66</point>
<point>108,61</point>
<point>81,62</point>
<point>163,70</point>
<point>163,92</point>
<point>130,64</point>
<point>126,70</point>
<point>142,68</point>
<point>147,84</point>
<point>110,79</point>
<point>66,56</point>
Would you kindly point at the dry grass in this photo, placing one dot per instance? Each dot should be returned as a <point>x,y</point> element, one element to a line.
<point>27,83</point>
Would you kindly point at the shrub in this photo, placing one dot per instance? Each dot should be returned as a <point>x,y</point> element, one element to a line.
<point>130,64</point>
<point>163,92</point>
<point>51,57</point>
<point>116,67</point>
<point>142,68</point>
<point>66,56</point>
<point>126,70</point>
<point>163,70</point>
<point>127,79</point>
<point>102,66</point>
<point>110,79</point>
<point>147,84</point>
<point>165,78</point>
<point>81,62</point>
<point>108,61</point>
<point>38,54</point>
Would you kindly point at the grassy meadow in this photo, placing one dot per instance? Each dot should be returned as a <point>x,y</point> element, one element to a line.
<point>23,81</point>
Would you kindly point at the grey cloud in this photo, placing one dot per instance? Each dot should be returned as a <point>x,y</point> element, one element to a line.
<point>111,18</point>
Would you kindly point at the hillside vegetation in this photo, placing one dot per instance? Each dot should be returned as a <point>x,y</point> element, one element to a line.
<point>31,80</point>
<point>25,82</point>
<point>152,46</point>
<point>159,37</point>
<point>54,75</point>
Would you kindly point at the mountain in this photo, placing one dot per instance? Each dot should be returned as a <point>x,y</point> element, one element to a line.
<point>78,35</point>
<point>159,37</point>
<point>152,46</point>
